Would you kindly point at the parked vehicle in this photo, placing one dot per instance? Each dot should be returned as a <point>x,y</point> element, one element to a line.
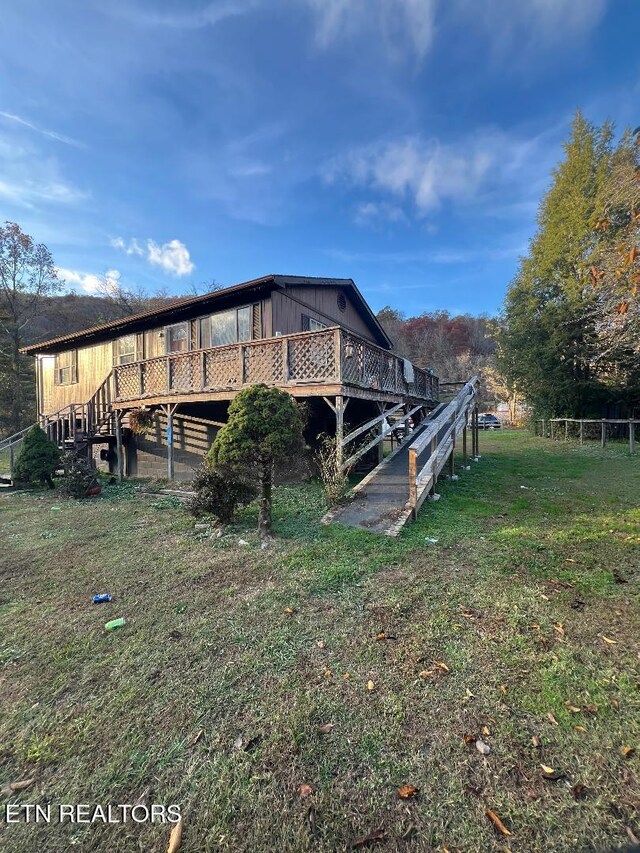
<point>399,430</point>
<point>488,421</point>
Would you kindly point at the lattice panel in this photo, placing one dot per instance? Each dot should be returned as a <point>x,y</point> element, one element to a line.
<point>264,363</point>
<point>389,373</point>
<point>183,372</point>
<point>352,360</point>
<point>127,382</point>
<point>154,377</point>
<point>312,358</point>
<point>223,368</point>
<point>371,373</point>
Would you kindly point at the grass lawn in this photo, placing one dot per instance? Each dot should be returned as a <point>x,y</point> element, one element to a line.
<point>336,659</point>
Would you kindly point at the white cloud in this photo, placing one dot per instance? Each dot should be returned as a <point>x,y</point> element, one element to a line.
<point>173,257</point>
<point>89,282</point>
<point>59,137</point>
<point>425,172</point>
<point>130,248</point>
<point>405,26</point>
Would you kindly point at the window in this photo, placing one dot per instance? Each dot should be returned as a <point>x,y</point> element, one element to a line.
<point>66,367</point>
<point>226,327</point>
<point>125,349</point>
<point>311,325</point>
<point>177,338</point>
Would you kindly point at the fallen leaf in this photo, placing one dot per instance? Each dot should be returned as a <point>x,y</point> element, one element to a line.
<point>535,741</point>
<point>609,640</point>
<point>406,792</point>
<point>469,739</point>
<point>559,627</point>
<point>311,821</point>
<point>495,820</point>
<point>552,719</point>
<point>382,635</point>
<point>486,731</point>
<point>320,644</point>
<point>305,791</point>
<point>627,751</point>
<point>197,736</point>
<point>325,728</point>
<point>615,704</point>
<point>483,747</point>
<point>570,560</point>
<point>175,838</point>
<point>591,709</point>
<point>427,673</point>
<point>580,729</point>
<point>441,666</point>
<point>633,838</point>
<point>572,708</point>
<point>346,676</point>
<point>22,785</point>
<point>551,774</point>
<point>579,791</point>
<point>370,685</point>
<point>289,610</point>
<point>327,673</point>
<point>363,840</point>
<point>503,688</point>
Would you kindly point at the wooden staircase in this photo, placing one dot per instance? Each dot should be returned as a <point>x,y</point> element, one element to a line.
<point>75,427</point>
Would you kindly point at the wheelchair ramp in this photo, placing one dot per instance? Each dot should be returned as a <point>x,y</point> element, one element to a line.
<point>386,498</point>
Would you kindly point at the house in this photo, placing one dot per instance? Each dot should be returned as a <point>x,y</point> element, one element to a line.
<point>314,337</point>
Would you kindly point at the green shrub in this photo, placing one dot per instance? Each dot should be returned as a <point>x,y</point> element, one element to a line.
<point>37,460</point>
<point>218,493</point>
<point>79,475</point>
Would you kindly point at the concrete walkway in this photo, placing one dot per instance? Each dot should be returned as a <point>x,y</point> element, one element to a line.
<point>380,500</point>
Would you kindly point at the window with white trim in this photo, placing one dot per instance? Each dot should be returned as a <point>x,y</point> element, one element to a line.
<point>176,338</point>
<point>66,367</point>
<point>226,327</point>
<point>310,324</point>
<point>126,349</point>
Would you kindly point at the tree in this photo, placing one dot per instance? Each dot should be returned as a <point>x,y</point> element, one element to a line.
<point>264,430</point>
<point>38,458</point>
<point>27,276</point>
<point>551,334</point>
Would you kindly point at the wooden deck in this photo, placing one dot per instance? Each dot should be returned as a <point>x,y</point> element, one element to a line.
<point>328,362</point>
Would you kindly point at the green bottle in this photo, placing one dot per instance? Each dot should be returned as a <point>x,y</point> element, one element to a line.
<point>115,623</point>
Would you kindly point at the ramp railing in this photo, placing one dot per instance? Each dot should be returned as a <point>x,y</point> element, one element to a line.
<point>440,439</point>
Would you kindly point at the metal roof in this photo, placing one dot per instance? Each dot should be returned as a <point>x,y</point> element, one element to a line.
<point>181,306</point>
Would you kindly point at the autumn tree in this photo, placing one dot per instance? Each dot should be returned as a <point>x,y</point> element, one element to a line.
<point>27,276</point>
<point>569,336</point>
<point>263,431</point>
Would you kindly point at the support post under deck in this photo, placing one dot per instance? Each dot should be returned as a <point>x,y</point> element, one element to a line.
<point>119,461</point>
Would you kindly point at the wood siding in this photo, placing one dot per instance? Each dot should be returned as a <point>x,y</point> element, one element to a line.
<point>94,365</point>
<point>95,362</point>
<point>319,303</point>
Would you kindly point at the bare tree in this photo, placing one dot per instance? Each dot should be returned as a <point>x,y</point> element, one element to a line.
<point>27,276</point>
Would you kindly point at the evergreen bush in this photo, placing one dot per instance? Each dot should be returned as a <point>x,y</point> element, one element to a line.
<point>38,459</point>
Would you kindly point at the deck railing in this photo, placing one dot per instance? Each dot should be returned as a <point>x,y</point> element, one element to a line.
<point>327,357</point>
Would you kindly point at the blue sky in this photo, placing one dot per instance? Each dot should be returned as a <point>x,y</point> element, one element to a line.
<point>403,143</point>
